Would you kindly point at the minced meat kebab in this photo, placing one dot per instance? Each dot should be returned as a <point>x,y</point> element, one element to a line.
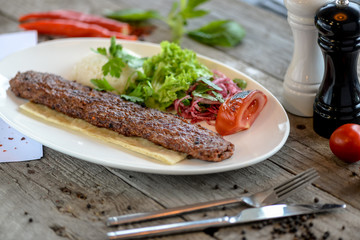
<point>107,110</point>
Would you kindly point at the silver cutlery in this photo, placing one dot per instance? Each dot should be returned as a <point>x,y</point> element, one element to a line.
<point>245,216</point>
<point>263,198</point>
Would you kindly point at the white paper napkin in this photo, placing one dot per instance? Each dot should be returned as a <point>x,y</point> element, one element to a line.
<point>14,146</point>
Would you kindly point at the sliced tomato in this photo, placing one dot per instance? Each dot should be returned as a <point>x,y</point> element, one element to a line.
<point>239,112</point>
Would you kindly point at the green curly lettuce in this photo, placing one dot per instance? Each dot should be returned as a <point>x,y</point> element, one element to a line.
<point>166,76</point>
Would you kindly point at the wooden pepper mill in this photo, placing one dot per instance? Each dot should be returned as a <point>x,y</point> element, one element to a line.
<point>338,99</point>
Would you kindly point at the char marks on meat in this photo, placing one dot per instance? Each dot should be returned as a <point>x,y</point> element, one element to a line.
<point>107,110</point>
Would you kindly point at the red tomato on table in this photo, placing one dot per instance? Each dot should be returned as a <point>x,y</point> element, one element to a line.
<point>239,112</point>
<point>345,142</point>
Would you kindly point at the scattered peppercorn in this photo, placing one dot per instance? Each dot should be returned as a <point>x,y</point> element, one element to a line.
<point>326,235</point>
<point>316,200</point>
<point>296,225</point>
<point>65,190</point>
<point>81,195</point>
<point>300,126</point>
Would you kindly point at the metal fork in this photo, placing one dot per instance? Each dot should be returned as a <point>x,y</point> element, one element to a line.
<point>263,198</point>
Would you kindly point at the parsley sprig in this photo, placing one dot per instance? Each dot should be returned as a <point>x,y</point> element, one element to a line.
<point>117,60</point>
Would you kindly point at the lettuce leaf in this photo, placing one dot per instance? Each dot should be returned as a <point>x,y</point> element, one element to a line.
<point>167,76</point>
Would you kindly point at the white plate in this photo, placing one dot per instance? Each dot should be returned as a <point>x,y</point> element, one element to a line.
<point>267,135</point>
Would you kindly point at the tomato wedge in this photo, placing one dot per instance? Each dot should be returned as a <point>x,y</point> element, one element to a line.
<point>239,112</point>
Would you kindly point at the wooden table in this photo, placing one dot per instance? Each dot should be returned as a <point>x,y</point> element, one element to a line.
<point>61,197</point>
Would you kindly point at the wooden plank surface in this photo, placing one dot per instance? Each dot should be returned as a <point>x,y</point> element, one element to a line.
<point>61,197</point>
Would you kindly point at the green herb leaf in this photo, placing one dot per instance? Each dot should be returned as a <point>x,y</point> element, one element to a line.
<point>113,67</point>
<point>176,23</point>
<point>218,96</point>
<point>132,98</point>
<point>204,95</point>
<point>101,51</point>
<point>186,102</point>
<point>132,61</point>
<point>203,88</point>
<point>207,90</point>
<point>210,83</point>
<point>225,33</point>
<point>188,9</point>
<point>133,15</point>
<point>241,83</point>
<point>117,59</point>
<point>180,13</point>
<point>141,89</point>
<point>115,49</point>
<point>102,85</point>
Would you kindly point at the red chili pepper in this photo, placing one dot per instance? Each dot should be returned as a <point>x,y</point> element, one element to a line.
<point>71,28</point>
<point>110,24</point>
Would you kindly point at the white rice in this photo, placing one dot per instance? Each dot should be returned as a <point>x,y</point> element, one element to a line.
<point>90,67</point>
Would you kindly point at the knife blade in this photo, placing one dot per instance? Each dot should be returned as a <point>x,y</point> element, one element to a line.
<point>245,216</point>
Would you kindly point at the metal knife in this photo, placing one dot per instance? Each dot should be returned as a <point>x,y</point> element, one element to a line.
<point>245,216</point>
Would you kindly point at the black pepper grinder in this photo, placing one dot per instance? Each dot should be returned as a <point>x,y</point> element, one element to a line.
<point>338,100</point>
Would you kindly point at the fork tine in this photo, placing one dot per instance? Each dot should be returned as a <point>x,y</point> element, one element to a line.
<point>297,178</point>
<point>306,172</point>
<point>297,183</point>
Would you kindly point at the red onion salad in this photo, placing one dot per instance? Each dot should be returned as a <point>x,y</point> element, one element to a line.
<point>204,97</point>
